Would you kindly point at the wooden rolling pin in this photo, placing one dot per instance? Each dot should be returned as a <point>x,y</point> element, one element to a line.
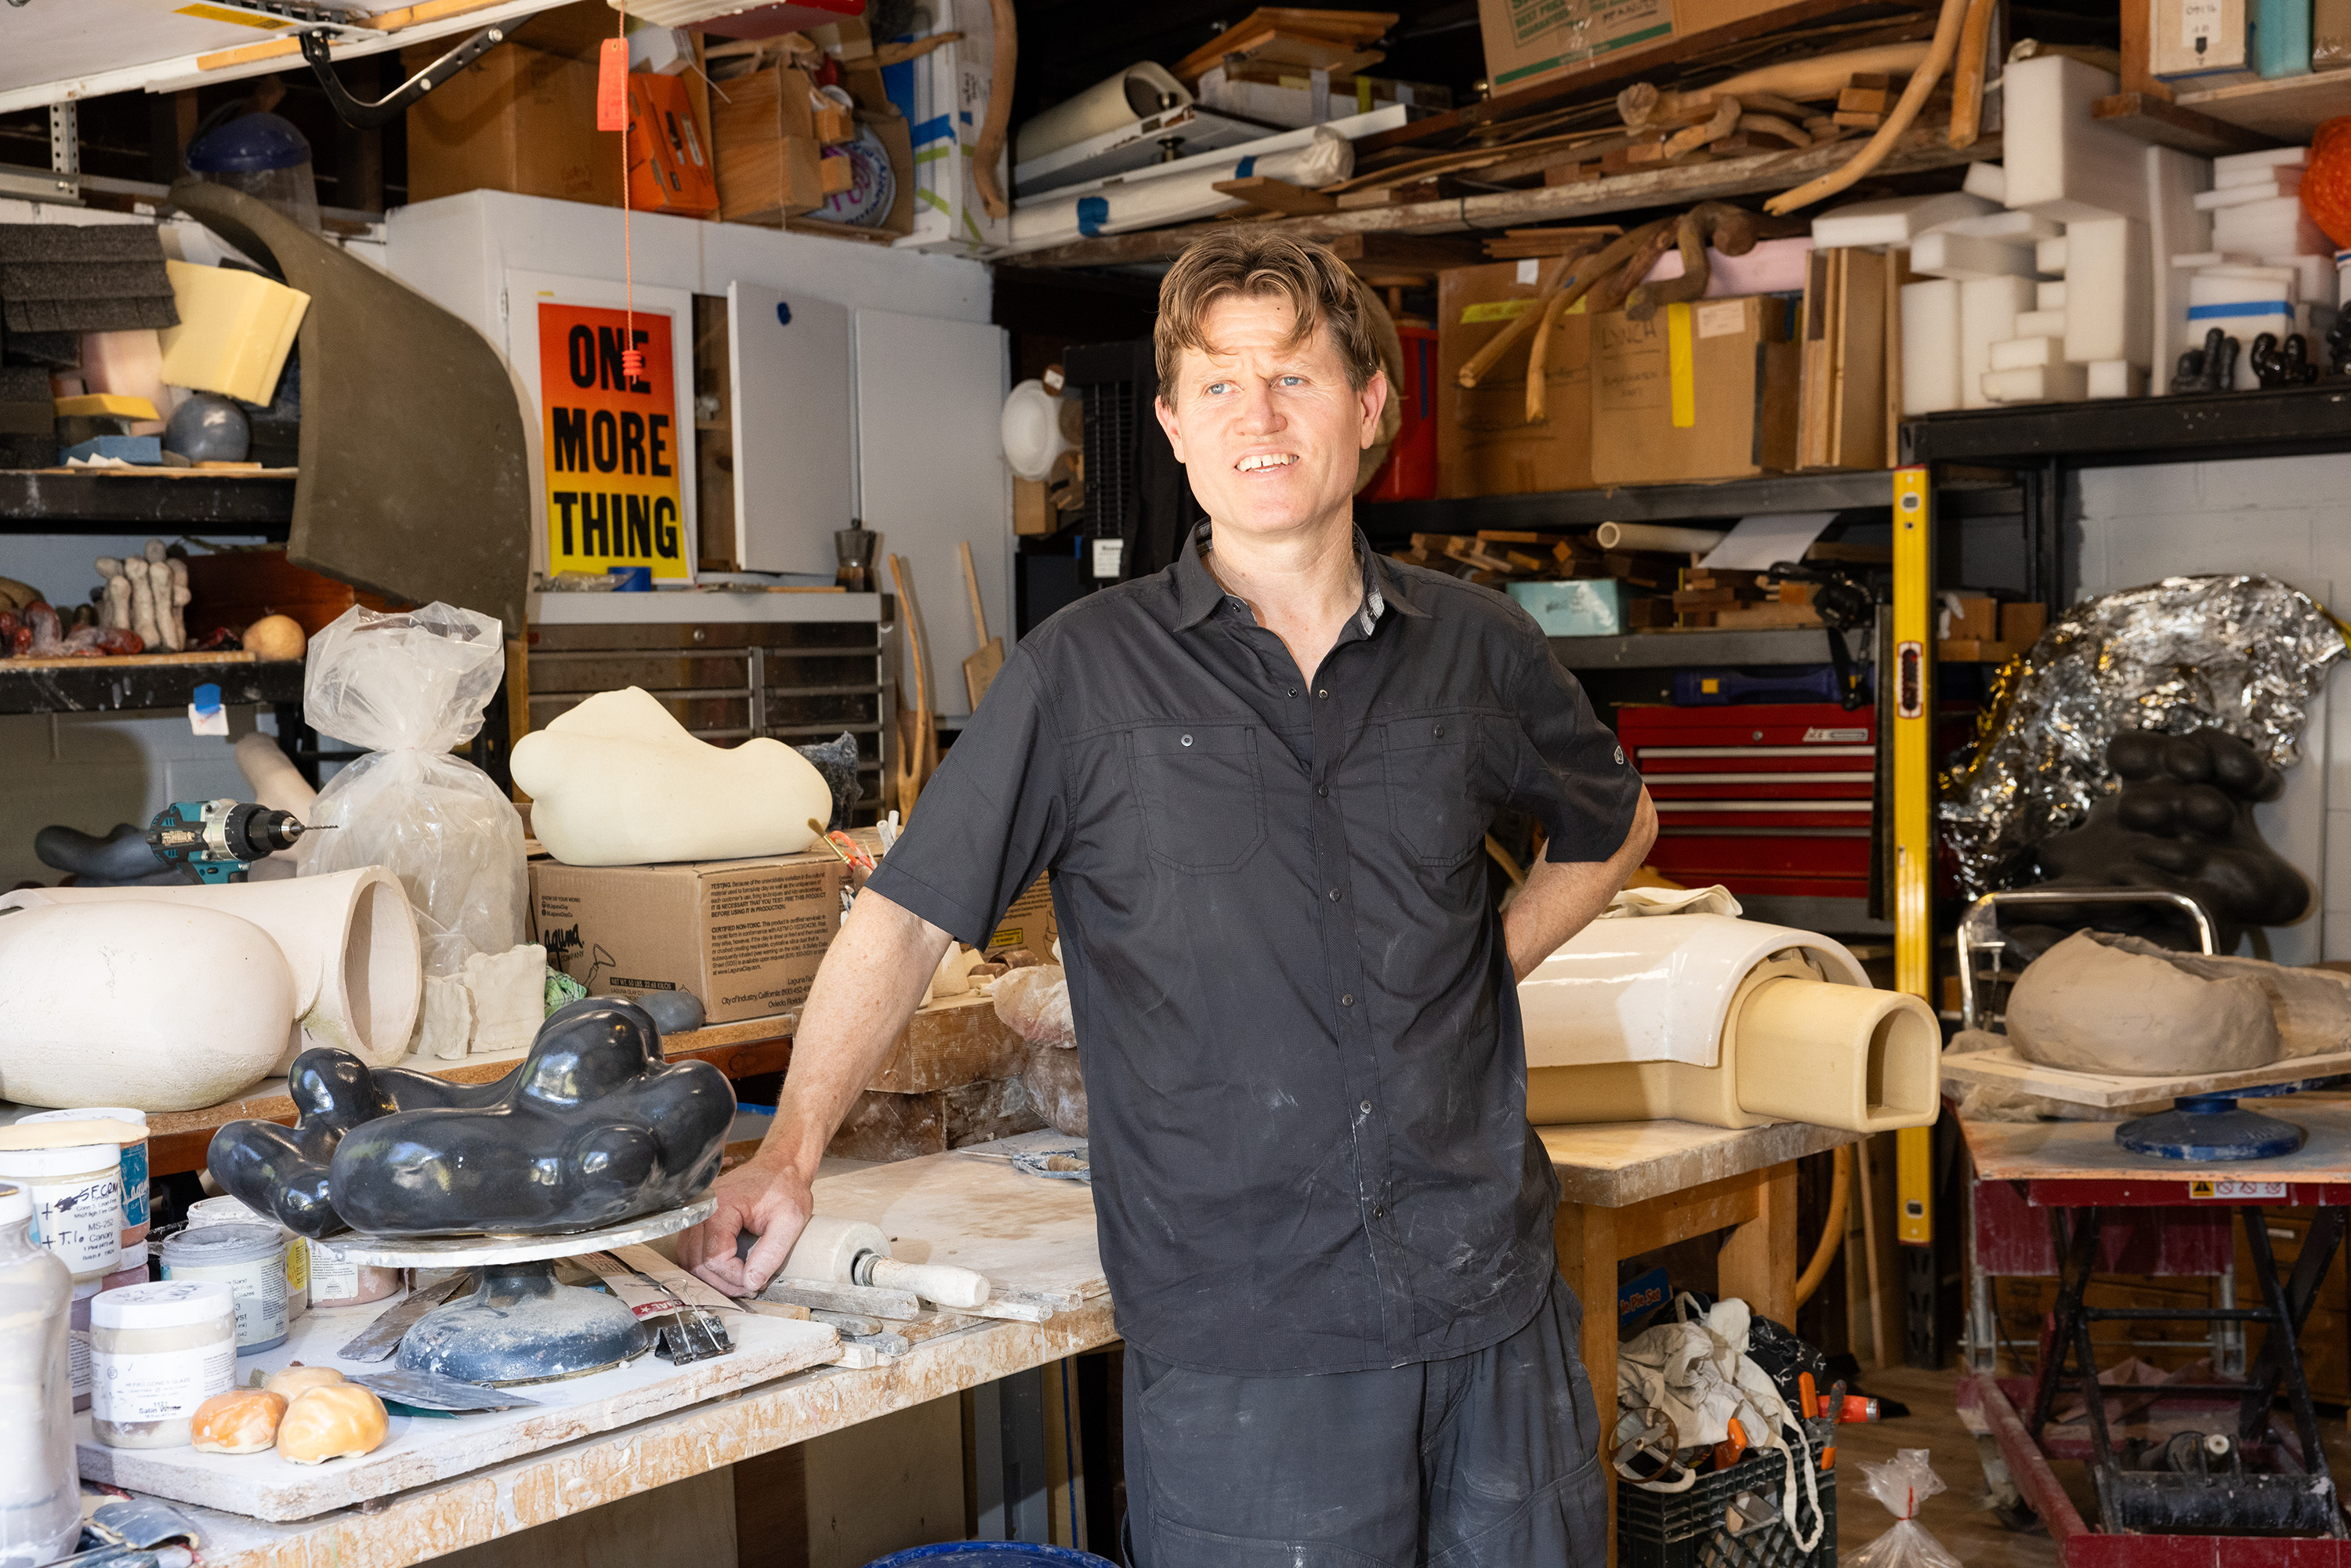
<point>853,1252</point>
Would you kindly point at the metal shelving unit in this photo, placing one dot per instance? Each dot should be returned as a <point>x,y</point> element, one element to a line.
<point>102,685</point>
<point>1854,490</point>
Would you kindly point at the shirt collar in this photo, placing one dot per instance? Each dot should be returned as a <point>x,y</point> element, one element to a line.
<point>1198,592</point>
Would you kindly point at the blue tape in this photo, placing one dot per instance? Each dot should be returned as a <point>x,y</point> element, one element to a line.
<point>1246,167</point>
<point>2243,308</point>
<point>934,129</point>
<point>1093,212</point>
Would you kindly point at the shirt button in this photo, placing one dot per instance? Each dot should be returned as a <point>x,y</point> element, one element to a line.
<point>1347,1001</point>
<point>1322,789</point>
<point>1323,693</point>
<point>1293,691</point>
<point>1187,741</point>
<point>1365,1107</point>
<point>1334,895</point>
<point>1440,732</point>
<point>1379,1211</point>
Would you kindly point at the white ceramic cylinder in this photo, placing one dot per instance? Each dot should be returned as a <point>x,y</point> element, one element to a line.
<point>157,1351</point>
<point>161,1006</point>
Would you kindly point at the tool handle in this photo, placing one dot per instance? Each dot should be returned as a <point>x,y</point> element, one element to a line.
<point>942,1282</point>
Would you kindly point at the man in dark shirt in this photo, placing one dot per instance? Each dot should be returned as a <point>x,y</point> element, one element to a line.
<point>1261,780</point>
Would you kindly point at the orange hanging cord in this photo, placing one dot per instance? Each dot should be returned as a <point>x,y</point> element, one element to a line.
<point>632,359</point>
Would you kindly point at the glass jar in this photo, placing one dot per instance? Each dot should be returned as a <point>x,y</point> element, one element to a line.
<point>77,1344</point>
<point>157,1351</point>
<point>134,1157</point>
<point>40,1488</point>
<point>250,1260</point>
<point>77,1193</point>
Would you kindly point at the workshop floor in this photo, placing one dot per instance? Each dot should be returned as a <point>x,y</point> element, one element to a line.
<point>1954,1516</point>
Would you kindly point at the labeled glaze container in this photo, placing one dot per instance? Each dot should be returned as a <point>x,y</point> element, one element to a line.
<point>40,1494</point>
<point>250,1262</point>
<point>157,1351</point>
<point>77,1193</point>
<point>210,1212</point>
<point>131,1269</point>
<point>77,1343</point>
<point>335,1283</point>
<point>126,1120</point>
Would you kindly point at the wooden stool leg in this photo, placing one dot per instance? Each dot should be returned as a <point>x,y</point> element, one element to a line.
<point>1585,1236</point>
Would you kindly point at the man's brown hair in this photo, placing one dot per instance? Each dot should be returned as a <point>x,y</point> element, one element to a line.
<point>1246,260</point>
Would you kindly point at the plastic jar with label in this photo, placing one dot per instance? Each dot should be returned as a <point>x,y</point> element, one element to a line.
<point>77,1193</point>
<point>134,1157</point>
<point>131,1269</point>
<point>40,1488</point>
<point>77,1343</point>
<point>250,1260</point>
<point>157,1351</point>
<point>210,1212</point>
<point>335,1283</point>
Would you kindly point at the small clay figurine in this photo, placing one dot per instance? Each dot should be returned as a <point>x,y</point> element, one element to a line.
<point>2212,368</point>
<point>2287,367</point>
<point>167,580</point>
<point>143,602</point>
<point>117,589</point>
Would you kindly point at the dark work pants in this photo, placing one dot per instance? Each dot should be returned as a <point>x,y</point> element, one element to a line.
<point>1488,1460</point>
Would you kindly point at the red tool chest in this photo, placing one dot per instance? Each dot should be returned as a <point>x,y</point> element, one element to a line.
<point>1773,799</point>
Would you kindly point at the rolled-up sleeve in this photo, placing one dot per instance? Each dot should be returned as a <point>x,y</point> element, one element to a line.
<point>990,821</point>
<point>1569,772</point>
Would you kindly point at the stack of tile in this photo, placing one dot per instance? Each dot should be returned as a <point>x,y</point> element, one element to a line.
<point>76,277</point>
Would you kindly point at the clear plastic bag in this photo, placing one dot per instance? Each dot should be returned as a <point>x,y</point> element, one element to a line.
<point>1903,1484</point>
<point>408,688</point>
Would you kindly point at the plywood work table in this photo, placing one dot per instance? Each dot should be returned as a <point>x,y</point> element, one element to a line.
<point>1027,1233</point>
<point>1630,1187</point>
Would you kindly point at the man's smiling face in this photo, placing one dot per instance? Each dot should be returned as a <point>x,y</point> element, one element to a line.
<point>1267,430</point>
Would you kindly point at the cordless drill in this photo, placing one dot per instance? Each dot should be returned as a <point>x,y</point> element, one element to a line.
<point>218,841</point>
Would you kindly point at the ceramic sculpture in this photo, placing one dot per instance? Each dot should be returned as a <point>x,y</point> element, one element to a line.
<point>348,939</point>
<point>156,1006</point>
<point>1727,1023</point>
<point>2115,1004</point>
<point>591,1128</point>
<point>618,781</point>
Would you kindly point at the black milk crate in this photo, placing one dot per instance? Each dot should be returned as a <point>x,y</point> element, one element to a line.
<point>1686,1529</point>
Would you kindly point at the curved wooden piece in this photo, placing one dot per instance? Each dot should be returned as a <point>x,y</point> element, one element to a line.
<point>1786,129</point>
<point>999,123</point>
<point>1968,75</point>
<point>1725,121</point>
<point>1574,283</point>
<point>1654,240</point>
<point>1939,51</point>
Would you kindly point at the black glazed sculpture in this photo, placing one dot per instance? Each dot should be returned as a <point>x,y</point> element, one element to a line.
<point>590,1129</point>
<point>2183,822</point>
<point>2212,368</point>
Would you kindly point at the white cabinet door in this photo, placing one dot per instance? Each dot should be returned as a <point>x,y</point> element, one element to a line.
<point>932,475</point>
<point>795,445</point>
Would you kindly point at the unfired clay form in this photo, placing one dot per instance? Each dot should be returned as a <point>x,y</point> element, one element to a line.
<point>2090,1005</point>
<point>618,781</point>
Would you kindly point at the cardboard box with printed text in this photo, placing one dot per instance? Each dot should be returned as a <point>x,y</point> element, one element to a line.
<point>1699,392</point>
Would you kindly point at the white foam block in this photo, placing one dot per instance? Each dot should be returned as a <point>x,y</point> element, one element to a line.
<point>2197,260</point>
<point>1931,347</point>
<point>2287,183</point>
<point>1896,220</point>
<point>2116,377</point>
<point>1989,181</point>
<point>2109,310</point>
<point>2049,257</point>
<point>1946,255</point>
<point>2313,276</point>
<point>2025,353</point>
<point>2017,228</point>
<point>1989,308</point>
<point>2243,302</point>
<point>2041,324</point>
<point>2174,228</point>
<point>2275,225</point>
<point>2256,166</point>
<point>2040,383</point>
<point>2061,163</point>
<point>2049,296</point>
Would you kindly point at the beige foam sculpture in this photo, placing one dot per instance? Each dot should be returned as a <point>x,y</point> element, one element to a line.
<point>618,781</point>
<point>171,999</point>
<point>1726,1022</point>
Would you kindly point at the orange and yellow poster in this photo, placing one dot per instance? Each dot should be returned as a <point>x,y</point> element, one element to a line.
<point>613,496</point>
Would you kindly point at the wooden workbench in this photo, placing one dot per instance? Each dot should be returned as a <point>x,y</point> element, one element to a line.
<point>1025,1232</point>
<point>1630,1187</point>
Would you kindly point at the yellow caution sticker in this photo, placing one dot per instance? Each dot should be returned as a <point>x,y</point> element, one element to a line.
<point>2235,1191</point>
<point>1681,376</point>
<point>1006,936</point>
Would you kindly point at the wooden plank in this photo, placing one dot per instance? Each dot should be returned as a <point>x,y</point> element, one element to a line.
<point>2004,1069</point>
<point>2087,1151</point>
<point>1922,148</point>
<point>1584,1236</point>
<point>1675,1216</point>
<point>134,661</point>
<point>1428,252</point>
<point>1619,1164</point>
<point>2163,124</point>
<point>1276,195</point>
<point>2288,108</point>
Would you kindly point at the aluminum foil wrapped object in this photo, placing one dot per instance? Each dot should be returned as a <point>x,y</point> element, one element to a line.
<point>2245,654</point>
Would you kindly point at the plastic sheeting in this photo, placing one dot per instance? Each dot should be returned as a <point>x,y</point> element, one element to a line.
<point>1142,201</point>
<point>408,688</point>
<point>2247,655</point>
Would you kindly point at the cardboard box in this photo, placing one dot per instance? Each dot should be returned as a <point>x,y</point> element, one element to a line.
<point>1968,618</point>
<point>1581,608</point>
<point>1699,392</point>
<point>771,161</point>
<point>669,165</point>
<point>519,120</point>
<point>1030,923</point>
<point>2020,625</point>
<point>1484,445</point>
<point>1533,41</point>
<point>949,105</point>
<point>744,936</point>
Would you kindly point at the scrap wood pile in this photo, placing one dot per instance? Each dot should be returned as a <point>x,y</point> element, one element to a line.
<point>1661,588</point>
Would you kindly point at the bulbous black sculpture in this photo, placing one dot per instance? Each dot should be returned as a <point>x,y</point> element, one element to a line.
<point>591,1128</point>
<point>2183,822</point>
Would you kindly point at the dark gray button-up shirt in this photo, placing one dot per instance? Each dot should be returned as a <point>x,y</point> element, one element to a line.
<point>1296,1017</point>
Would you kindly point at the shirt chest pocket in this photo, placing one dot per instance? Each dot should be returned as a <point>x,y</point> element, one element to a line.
<point>1202,792</point>
<point>1436,802</point>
